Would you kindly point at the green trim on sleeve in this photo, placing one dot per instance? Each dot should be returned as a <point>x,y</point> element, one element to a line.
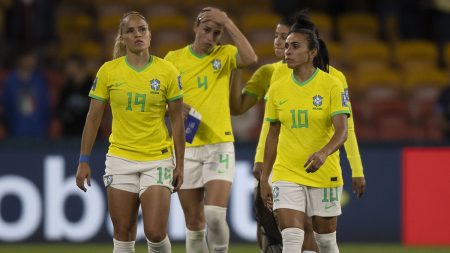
<point>98,98</point>
<point>251,94</point>
<point>175,98</point>
<point>340,112</point>
<point>272,120</point>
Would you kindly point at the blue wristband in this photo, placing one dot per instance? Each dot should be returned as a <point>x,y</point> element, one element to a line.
<point>84,159</point>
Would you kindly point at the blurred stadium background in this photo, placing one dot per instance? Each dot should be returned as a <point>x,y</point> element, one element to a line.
<point>395,55</point>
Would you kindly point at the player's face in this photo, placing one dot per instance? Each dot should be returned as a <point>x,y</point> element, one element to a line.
<point>281,33</point>
<point>207,35</point>
<point>135,34</point>
<point>296,51</point>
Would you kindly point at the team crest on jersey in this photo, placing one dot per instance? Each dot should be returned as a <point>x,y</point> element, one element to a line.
<point>107,180</point>
<point>276,193</point>
<point>94,84</point>
<point>154,84</point>
<point>216,64</point>
<point>317,100</point>
<point>345,98</point>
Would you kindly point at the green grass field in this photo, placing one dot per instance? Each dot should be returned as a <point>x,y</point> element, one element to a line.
<point>179,248</point>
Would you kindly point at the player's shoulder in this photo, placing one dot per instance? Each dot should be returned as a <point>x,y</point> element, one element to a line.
<point>175,53</point>
<point>114,63</point>
<point>327,79</point>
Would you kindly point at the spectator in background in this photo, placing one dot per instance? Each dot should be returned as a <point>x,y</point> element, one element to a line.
<point>26,99</point>
<point>73,103</point>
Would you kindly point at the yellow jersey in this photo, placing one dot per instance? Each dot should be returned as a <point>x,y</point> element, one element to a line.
<point>138,99</point>
<point>351,145</point>
<point>305,111</point>
<point>206,86</point>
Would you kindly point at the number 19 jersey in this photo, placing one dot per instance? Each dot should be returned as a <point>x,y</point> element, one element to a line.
<point>138,101</point>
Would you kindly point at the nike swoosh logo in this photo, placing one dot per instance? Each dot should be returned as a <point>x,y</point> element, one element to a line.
<point>282,102</point>
<point>330,206</point>
<point>119,84</point>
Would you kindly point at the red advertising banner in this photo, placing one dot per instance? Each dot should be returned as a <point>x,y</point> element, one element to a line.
<point>426,196</point>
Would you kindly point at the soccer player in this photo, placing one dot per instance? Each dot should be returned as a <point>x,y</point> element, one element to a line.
<point>308,112</point>
<point>140,169</point>
<point>255,89</point>
<point>205,69</point>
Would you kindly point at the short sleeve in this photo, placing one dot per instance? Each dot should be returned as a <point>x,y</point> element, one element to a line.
<point>174,88</point>
<point>259,82</point>
<point>339,100</point>
<point>99,89</point>
<point>232,53</point>
<point>270,113</point>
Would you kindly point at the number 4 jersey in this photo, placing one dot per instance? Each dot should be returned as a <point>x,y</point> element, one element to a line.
<point>305,110</point>
<point>206,86</point>
<point>138,99</point>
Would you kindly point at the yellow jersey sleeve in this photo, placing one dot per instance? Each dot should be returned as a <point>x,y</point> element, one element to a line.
<point>351,145</point>
<point>175,88</point>
<point>99,89</point>
<point>259,83</point>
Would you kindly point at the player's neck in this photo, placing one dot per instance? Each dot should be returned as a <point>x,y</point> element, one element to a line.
<point>138,60</point>
<point>303,73</point>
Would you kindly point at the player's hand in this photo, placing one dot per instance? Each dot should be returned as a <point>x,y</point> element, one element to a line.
<point>213,14</point>
<point>178,176</point>
<point>186,109</point>
<point>257,170</point>
<point>315,161</point>
<point>359,186</point>
<point>266,193</point>
<point>83,173</point>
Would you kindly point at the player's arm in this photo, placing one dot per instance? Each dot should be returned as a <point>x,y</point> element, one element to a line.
<point>175,109</point>
<point>354,159</point>
<point>93,120</point>
<point>246,54</point>
<point>339,137</point>
<point>239,102</point>
<point>270,153</point>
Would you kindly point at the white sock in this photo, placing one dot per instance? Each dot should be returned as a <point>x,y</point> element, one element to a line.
<point>196,241</point>
<point>160,247</point>
<point>292,239</point>
<point>218,233</point>
<point>308,251</point>
<point>327,242</point>
<point>123,247</point>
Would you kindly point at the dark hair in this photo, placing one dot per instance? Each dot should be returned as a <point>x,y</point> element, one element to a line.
<point>304,25</point>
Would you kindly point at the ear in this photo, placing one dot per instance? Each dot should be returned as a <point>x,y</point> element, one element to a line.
<point>313,53</point>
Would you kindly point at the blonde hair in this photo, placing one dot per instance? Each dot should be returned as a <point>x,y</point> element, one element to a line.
<point>119,48</point>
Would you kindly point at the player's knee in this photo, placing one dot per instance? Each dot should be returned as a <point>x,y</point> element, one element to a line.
<point>123,231</point>
<point>293,238</point>
<point>326,242</point>
<point>195,221</point>
<point>215,216</point>
<point>155,235</point>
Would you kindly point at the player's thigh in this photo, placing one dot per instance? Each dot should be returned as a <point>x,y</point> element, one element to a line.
<point>289,203</point>
<point>192,201</point>
<point>217,193</point>
<point>324,207</point>
<point>122,186</point>
<point>123,207</point>
<point>155,203</point>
